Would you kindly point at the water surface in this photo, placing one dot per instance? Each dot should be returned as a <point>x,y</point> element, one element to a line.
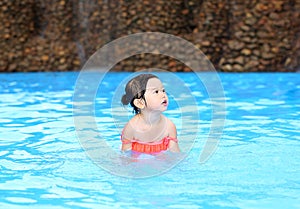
<point>256,165</point>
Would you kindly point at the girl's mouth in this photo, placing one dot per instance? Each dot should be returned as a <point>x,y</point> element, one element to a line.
<point>165,102</point>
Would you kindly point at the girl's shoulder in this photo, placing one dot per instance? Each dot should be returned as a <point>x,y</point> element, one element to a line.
<point>129,128</point>
<point>171,127</point>
<point>169,122</point>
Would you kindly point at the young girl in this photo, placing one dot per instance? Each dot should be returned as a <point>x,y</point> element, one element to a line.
<point>149,131</point>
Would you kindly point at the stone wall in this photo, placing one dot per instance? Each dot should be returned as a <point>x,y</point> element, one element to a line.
<point>236,35</point>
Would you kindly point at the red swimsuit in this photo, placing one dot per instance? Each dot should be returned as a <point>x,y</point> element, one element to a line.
<point>146,147</point>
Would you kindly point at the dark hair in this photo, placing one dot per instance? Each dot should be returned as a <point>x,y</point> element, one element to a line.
<point>135,89</point>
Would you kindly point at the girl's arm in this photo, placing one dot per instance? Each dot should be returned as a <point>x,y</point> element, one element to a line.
<point>173,145</point>
<point>126,137</point>
<point>126,146</point>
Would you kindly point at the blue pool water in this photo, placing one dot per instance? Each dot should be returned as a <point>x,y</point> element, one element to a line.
<point>256,164</point>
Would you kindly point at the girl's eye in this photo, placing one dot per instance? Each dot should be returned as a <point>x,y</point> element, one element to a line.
<point>157,91</point>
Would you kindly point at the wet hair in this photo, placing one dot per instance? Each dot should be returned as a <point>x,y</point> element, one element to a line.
<point>135,89</point>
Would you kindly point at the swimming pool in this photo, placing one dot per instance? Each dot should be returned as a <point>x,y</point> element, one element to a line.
<point>256,164</point>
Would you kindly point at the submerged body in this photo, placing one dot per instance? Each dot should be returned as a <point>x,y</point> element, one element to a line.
<point>165,141</point>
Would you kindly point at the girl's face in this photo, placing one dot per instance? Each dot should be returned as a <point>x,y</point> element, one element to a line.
<point>155,95</point>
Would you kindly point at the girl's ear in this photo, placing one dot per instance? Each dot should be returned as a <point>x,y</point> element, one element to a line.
<point>139,103</point>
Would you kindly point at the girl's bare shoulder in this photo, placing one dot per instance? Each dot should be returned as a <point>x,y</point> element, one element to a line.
<point>129,128</point>
<point>171,128</point>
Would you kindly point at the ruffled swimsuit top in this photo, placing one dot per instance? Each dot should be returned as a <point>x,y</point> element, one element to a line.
<point>149,147</point>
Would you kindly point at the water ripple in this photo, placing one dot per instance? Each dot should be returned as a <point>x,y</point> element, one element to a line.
<point>256,164</point>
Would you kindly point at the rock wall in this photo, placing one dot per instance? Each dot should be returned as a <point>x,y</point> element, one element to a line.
<point>236,35</point>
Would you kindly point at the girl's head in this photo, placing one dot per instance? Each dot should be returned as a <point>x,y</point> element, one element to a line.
<point>135,91</point>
